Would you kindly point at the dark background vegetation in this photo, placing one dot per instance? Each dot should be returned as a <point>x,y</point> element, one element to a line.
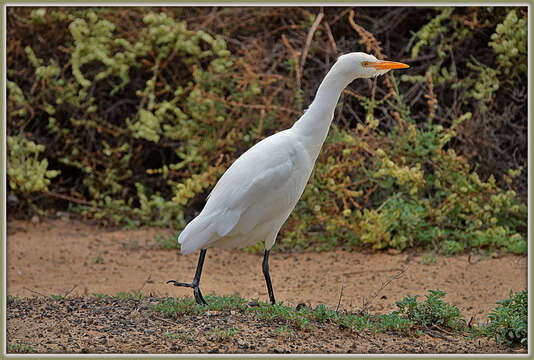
<point>131,150</point>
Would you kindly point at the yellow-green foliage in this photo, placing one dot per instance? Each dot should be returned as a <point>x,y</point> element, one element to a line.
<point>421,194</point>
<point>187,114</point>
<point>147,123</point>
<point>510,43</point>
<point>94,41</point>
<point>17,99</point>
<point>432,30</point>
<point>26,172</point>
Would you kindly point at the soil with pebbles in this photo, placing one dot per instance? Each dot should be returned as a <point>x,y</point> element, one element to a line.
<point>93,325</point>
<point>77,260</point>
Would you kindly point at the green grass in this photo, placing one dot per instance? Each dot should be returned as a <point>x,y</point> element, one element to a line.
<point>507,322</point>
<point>101,296</point>
<point>412,315</point>
<point>57,297</point>
<point>20,348</point>
<point>136,295</point>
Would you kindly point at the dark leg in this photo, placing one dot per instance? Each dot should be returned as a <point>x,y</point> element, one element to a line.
<point>195,284</point>
<point>265,267</point>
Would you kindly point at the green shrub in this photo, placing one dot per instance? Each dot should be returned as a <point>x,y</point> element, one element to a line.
<point>432,311</point>
<point>510,44</point>
<point>142,112</point>
<point>508,322</point>
<point>26,172</point>
<point>413,193</point>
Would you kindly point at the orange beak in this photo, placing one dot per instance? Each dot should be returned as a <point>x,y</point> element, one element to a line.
<point>386,65</point>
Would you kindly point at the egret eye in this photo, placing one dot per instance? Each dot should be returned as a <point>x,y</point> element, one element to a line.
<point>365,63</point>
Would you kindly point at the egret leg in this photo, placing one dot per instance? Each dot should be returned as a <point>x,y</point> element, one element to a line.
<point>265,268</point>
<point>196,280</point>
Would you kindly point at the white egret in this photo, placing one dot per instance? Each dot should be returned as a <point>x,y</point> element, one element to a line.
<point>255,196</point>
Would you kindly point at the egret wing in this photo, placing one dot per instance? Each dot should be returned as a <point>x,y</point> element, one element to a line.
<point>265,180</point>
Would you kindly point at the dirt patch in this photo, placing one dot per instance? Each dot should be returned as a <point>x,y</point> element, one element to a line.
<point>89,325</point>
<point>74,258</point>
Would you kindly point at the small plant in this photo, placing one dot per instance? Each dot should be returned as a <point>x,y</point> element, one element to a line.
<point>131,245</point>
<point>223,334</point>
<point>297,319</point>
<point>428,258</point>
<point>20,348</point>
<point>99,259</point>
<point>395,322</point>
<point>509,321</point>
<point>285,331</point>
<point>12,299</point>
<point>57,297</point>
<point>432,311</point>
<point>101,296</point>
<point>182,335</point>
<point>136,295</point>
<point>167,243</point>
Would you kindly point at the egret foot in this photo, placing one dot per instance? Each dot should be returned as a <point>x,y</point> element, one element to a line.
<point>196,280</point>
<point>196,290</point>
<point>265,268</point>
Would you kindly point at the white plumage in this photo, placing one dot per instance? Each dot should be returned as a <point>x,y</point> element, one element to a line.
<point>255,196</point>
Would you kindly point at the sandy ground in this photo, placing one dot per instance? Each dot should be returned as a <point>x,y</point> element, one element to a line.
<point>74,258</point>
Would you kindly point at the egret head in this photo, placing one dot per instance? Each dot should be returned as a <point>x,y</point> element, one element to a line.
<point>362,65</point>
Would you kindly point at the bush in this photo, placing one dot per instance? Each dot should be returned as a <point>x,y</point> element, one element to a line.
<point>432,311</point>
<point>145,109</point>
<point>508,322</point>
<point>27,174</point>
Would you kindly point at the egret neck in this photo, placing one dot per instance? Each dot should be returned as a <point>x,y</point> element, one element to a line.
<point>313,125</point>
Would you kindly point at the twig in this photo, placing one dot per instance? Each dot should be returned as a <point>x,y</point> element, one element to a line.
<point>375,271</point>
<point>165,320</point>
<point>260,123</point>
<point>70,198</point>
<point>432,100</point>
<point>370,41</point>
<point>330,37</point>
<point>145,282</point>
<point>366,303</point>
<point>434,333</point>
<point>210,18</point>
<point>442,329</point>
<point>259,107</point>
<point>369,339</point>
<point>469,259</point>
<point>33,291</point>
<point>309,38</point>
<point>353,94</point>
<point>68,292</point>
<point>294,56</point>
<point>340,296</point>
<point>470,321</point>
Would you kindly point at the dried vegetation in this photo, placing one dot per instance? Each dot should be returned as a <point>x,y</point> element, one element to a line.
<point>130,115</point>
